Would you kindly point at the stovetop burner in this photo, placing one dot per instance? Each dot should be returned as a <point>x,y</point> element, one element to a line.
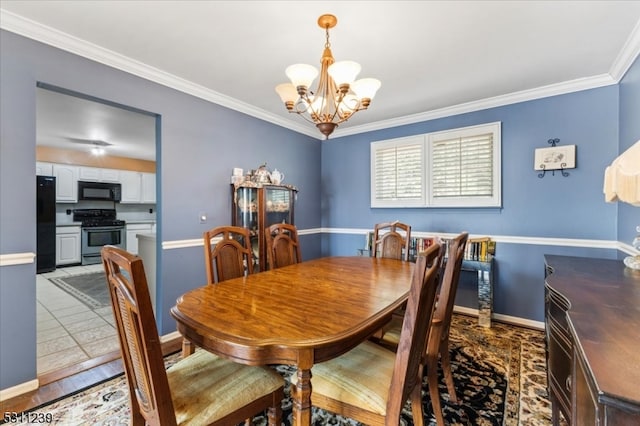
<point>92,218</point>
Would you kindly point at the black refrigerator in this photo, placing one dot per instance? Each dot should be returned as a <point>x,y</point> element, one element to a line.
<point>46,223</point>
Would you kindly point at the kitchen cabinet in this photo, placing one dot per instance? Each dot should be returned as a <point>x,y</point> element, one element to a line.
<point>592,323</point>
<point>96,174</point>
<point>148,192</point>
<point>256,207</point>
<point>138,187</point>
<point>134,229</point>
<point>44,169</point>
<point>68,244</point>
<point>66,183</point>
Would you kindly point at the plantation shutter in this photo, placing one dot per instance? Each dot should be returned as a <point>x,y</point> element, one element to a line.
<point>398,171</point>
<point>463,167</point>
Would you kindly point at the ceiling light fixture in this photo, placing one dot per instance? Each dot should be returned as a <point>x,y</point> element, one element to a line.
<point>337,97</point>
<point>97,150</point>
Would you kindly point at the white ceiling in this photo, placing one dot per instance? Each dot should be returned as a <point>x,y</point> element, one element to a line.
<point>434,58</point>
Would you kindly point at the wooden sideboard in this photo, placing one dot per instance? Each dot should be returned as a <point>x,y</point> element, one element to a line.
<point>592,318</point>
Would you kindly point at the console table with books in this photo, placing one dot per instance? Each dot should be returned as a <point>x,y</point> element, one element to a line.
<point>479,258</point>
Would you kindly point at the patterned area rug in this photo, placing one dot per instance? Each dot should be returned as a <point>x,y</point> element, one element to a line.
<point>500,376</point>
<point>91,289</point>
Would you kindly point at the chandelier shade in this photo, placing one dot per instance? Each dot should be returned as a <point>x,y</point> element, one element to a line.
<point>338,94</point>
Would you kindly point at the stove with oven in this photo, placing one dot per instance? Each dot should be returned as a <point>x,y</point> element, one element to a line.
<point>99,228</point>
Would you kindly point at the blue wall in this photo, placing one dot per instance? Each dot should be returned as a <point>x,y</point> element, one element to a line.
<point>201,142</point>
<point>552,207</point>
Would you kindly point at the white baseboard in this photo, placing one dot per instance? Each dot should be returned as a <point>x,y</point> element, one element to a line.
<point>522,322</point>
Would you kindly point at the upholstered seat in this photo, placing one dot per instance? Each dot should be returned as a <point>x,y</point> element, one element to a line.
<point>203,378</point>
<point>200,389</point>
<point>369,383</point>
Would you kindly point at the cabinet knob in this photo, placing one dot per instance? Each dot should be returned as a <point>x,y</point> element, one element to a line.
<point>567,383</point>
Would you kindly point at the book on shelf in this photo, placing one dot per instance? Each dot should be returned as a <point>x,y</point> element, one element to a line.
<point>480,249</point>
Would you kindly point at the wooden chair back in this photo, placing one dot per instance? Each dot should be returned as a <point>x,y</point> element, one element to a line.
<point>389,242</point>
<point>149,393</point>
<point>437,348</point>
<point>407,373</point>
<point>231,256</point>
<point>451,277</point>
<point>283,247</point>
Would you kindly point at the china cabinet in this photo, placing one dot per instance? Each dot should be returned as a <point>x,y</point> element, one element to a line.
<point>257,206</point>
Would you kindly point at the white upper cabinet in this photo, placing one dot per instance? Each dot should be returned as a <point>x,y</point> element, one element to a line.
<point>96,174</point>
<point>138,188</point>
<point>44,169</point>
<point>148,188</point>
<point>66,183</point>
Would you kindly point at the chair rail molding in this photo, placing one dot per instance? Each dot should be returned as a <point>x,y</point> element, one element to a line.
<point>17,258</point>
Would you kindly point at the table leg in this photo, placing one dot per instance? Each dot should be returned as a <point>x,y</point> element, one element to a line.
<point>301,398</point>
<point>485,298</point>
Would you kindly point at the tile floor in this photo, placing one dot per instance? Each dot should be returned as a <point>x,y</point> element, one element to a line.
<point>69,332</point>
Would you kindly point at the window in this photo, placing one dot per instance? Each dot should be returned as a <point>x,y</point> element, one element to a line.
<point>453,168</point>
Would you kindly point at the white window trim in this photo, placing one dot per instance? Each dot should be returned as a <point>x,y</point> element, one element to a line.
<point>427,200</point>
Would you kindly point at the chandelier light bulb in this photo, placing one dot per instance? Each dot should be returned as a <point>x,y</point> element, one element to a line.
<point>301,75</point>
<point>366,88</point>
<point>344,72</point>
<point>288,94</point>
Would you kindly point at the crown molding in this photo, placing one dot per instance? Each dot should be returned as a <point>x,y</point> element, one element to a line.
<point>630,51</point>
<point>482,104</point>
<point>42,33</point>
<point>53,37</point>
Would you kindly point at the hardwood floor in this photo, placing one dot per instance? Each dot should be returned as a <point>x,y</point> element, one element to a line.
<point>75,378</point>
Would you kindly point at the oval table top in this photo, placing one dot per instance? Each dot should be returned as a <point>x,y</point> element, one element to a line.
<point>326,305</point>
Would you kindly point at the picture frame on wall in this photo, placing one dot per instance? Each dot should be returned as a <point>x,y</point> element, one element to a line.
<point>555,158</point>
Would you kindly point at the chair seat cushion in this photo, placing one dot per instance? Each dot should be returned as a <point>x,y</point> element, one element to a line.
<point>202,378</point>
<point>360,377</point>
<point>391,336</point>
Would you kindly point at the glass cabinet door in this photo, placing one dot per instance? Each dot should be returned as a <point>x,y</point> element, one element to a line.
<point>278,206</point>
<point>246,214</point>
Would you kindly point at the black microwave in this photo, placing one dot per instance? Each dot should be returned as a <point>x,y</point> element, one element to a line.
<point>99,191</point>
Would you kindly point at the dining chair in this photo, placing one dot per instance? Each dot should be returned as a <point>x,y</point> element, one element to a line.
<point>230,256</point>
<point>437,347</point>
<point>389,242</point>
<point>227,254</point>
<point>283,247</point>
<point>199,389</point>
<point>369,383</point>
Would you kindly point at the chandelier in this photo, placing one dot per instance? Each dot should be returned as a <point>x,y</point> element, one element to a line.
<point>337,96</point>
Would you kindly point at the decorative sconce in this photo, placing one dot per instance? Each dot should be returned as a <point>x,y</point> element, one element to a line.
<point>555,158</point>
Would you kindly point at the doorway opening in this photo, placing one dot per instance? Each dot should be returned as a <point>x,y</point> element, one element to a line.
<point>84,138</point>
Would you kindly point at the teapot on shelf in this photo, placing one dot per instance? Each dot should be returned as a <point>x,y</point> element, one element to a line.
<point>261,175</point>
<point>277,177</point>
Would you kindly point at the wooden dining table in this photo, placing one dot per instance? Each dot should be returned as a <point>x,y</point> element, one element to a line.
<point>297,315</point>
